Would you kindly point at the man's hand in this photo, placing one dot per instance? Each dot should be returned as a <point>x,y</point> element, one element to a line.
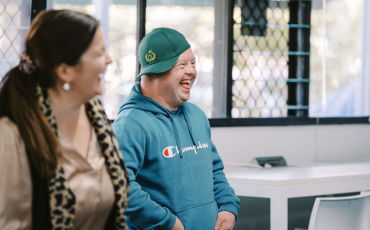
<point>178,225</point>
<point>225,221</point>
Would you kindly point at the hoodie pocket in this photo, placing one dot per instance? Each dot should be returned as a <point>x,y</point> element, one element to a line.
<point>200,217</point>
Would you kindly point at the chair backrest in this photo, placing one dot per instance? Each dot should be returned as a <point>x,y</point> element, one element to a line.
<point>341,213</point>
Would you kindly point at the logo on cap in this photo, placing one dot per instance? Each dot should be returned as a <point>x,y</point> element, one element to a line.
<point>150,56</point>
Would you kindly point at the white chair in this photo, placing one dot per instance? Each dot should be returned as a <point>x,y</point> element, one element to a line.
<point>341,213</point>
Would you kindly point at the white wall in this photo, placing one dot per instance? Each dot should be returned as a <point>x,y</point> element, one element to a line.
<point>299,145</point>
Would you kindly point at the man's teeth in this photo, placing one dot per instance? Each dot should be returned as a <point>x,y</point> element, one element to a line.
<point>185,82</point>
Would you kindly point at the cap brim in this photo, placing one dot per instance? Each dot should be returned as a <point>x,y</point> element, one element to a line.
<point>159,67</point>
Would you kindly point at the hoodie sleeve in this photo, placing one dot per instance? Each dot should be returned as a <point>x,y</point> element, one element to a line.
<point>142,212</point>
<point>224,195</point>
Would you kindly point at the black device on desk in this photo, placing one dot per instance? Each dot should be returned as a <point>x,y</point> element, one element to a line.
<point>277,161</point>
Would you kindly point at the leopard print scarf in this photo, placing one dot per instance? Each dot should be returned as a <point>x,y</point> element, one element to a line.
<point>62,200</point>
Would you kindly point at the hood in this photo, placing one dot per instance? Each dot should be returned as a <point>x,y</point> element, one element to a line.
<point>136,100</point>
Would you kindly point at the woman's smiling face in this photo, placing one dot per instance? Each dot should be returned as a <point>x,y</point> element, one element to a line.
<point>88,73</point>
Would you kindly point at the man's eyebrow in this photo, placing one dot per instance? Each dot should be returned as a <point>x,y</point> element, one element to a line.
<point>185,60</point>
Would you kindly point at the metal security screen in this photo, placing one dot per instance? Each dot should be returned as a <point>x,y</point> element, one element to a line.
<point>270,71</point>
<point>15,18</point>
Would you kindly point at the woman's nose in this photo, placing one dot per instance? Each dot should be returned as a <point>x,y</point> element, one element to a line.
<point>108,59</point>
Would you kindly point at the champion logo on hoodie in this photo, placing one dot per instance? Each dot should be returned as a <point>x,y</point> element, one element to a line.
<point>169,152</point>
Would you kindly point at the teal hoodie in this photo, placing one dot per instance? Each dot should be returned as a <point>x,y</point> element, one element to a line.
<point>174,168</point>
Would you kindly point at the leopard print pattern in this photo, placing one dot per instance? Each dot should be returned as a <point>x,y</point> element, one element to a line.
<point>62,199</point>
<point>113,158</point>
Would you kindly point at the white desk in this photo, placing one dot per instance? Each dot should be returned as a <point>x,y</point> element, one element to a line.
<point>279,184</point>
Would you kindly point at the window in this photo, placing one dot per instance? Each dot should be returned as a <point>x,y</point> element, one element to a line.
<point>270,72</point>
<point>272,75</point>
<point>260,62</point>
<point>122,43</point>
<point>195,19</point>
<point>344,43</point>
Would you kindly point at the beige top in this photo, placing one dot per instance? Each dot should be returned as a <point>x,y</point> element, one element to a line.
<point>88,179</point>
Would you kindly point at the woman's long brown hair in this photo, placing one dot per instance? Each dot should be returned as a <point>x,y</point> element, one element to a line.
<point>54,37</point>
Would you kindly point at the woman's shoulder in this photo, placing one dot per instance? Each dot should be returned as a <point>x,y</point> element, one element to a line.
<point>7,127</point>
<point>16,198</point>
<point>9,135</point>
<point>6,123</point>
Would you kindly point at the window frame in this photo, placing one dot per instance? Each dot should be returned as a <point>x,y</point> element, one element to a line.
<point>37,6</point>
<point>286,121</point>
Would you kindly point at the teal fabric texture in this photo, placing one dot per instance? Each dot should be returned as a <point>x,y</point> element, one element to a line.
<point>173,166</point>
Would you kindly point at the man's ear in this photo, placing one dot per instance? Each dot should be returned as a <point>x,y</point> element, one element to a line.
<point>149,77</point>
<point>65,72</point>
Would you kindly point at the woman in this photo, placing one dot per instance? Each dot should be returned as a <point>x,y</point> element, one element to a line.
<point>60,165</point>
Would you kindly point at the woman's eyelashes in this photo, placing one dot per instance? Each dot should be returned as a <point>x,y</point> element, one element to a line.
<point>101,52</point>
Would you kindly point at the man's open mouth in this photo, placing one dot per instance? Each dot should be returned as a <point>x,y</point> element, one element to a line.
<point>185,84</point>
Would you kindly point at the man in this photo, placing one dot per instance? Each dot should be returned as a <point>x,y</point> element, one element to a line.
<point>175,173</point>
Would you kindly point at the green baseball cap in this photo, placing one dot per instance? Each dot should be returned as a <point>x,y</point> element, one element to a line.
<point>160,49</point>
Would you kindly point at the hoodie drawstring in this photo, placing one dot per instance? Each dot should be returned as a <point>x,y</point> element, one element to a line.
<point>191,132</point>
<point>174,127</point>
<point>176,134</point>
<point>189,128</point>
